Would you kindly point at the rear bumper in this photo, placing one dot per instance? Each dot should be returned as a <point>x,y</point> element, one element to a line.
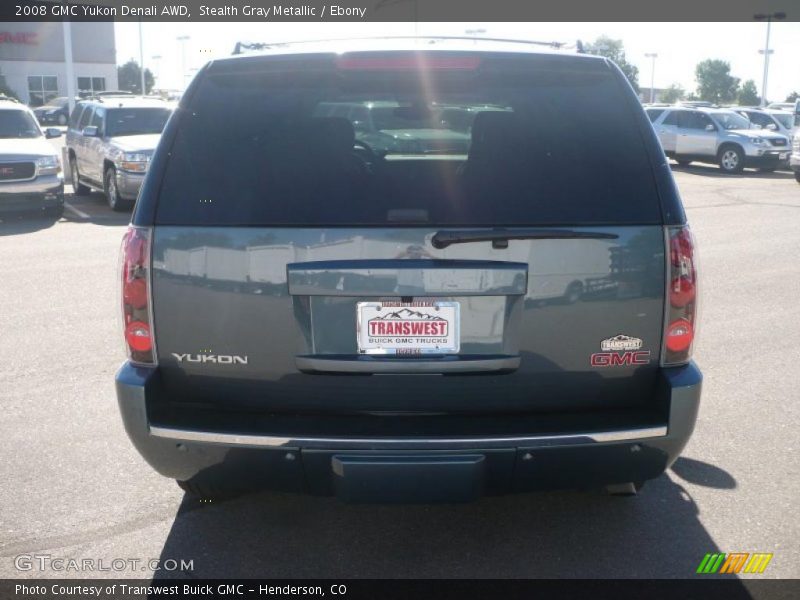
<point>367,467</point>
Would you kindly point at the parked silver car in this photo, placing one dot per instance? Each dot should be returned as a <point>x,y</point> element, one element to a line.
<point>109,144</point>
<point>720,136</point>
<point>30,170</point>
<point>779,121</point>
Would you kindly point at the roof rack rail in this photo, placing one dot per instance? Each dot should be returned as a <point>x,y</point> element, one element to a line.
<point>241,47</point>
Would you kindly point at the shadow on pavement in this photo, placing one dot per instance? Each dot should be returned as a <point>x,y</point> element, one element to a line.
<point>93,209</point>
<point>22,223</point>
<point>700,473</point>
<point>555,535</point>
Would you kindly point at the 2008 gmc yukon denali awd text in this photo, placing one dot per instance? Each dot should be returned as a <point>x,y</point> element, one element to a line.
<point>497,296</point>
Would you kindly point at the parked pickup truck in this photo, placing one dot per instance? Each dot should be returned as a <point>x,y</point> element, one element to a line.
<point>304,312</point>
<point>110,141</point>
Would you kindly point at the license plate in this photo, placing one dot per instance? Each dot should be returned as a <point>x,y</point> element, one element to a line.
<point>783,156</point>
<point>407,328</point>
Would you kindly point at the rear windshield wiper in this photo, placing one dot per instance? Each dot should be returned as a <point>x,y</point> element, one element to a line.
<point>500,237</point>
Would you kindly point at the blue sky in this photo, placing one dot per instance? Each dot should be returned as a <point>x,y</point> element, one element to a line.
<point>680,46</point>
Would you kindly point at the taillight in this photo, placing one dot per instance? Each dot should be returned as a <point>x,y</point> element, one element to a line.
<point>136,311</point>
<point>680,323</point>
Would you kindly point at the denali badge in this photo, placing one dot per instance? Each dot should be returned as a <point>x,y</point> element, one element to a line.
<point>620,350</point>
<point>220,359</point>
<point>620,342</point>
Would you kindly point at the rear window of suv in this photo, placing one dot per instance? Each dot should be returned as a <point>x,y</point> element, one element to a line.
<point>536,142</point>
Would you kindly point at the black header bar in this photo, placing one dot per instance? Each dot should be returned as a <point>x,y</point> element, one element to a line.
<point>397,10</point>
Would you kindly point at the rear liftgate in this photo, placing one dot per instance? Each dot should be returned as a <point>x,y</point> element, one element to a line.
<point>406,318</point>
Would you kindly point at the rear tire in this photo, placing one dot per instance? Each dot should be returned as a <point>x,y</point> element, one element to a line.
<point>797,176</point>
<point>731,159</point>
<point>115,202</point>
<point>77,187</point>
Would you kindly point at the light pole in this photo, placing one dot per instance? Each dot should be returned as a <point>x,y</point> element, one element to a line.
<point>141,60</point>
<point>67,30</point>
<point>183,39</point>
<point>778,16</point>
<point>156,58</point>
<point>652,56</point>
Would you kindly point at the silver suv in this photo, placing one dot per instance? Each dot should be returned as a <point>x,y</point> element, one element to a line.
<point>717,135</point>
<point>109,144</point>
<point>30,171</point>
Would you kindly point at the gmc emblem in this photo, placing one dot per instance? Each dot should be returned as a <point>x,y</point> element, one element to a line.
<point>616,359</point>
<point>6,170</point>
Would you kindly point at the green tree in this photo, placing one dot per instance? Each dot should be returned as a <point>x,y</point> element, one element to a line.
<point>4,89</point>
<point>613,50</point>
<point>748,94</point>
<point>715,82</point>
<point>672,94</point>
<point>130,78</point>
<point>792,97</point>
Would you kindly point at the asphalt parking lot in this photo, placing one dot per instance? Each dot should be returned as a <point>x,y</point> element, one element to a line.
<point>74,487</point>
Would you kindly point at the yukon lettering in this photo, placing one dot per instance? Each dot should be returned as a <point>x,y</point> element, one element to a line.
<point>221,359</point>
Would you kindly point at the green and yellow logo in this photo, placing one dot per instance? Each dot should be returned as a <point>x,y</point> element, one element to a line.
<point>734,562</point>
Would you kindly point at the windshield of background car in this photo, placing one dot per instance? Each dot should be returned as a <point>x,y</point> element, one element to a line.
<point>18,124</point>
<point>136,121</point>
<point>538,141</point>
<point>730,120</point>
<point>785,119</point>
<point>654,113</point>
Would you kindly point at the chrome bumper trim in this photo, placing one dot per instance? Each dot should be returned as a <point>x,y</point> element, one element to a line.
<point>272,441</point>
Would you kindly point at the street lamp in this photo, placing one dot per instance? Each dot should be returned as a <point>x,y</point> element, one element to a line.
<point>141,60</point>
<point>183,39</point>
<point>777,16</point>
<point>156,58</point>
<point>652,56</point>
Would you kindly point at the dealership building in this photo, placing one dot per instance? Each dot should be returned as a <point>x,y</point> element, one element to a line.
<point>33,64</point>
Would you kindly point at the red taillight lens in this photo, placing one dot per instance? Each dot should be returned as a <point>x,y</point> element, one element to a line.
<point>681,291</point>
<point>137,334</point>
<point>680,326</point>
<point>679,334</point>
<point>136,311</point>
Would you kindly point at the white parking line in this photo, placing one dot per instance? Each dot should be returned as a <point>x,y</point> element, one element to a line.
<point>79,213</point>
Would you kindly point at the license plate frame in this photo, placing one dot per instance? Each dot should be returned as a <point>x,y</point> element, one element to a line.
<point>413,339</point>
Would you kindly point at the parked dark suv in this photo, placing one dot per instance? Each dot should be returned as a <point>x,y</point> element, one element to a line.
<point>305,313</point>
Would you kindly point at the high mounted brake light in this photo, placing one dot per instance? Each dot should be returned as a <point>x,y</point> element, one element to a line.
<point>408,63</point>
<point>680,323</point>
<point>136,311</point>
